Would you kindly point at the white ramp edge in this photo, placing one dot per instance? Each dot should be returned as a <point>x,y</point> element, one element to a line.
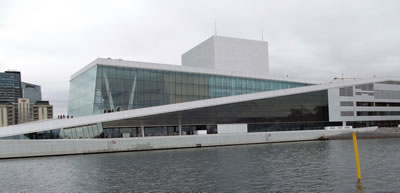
<point>52,147</point>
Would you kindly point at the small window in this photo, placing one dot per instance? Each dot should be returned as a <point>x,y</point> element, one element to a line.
<point>346,103</point>
<point>365,104</point>
<point>346,113</point>
<point>366,93</point>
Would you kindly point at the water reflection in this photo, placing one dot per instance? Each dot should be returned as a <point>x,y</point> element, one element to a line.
<point>360,188</point>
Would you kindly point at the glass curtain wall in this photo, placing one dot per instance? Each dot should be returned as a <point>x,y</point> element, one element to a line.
<point>10,86</point>
<point>81,93</point>
<point>109,88</point>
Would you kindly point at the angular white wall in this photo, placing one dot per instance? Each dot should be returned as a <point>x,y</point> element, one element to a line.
<point>229,54</point>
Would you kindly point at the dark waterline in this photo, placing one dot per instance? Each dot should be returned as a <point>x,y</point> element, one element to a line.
<point>315,166</point>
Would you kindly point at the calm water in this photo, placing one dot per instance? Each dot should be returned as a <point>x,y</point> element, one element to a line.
<point>319,166</point>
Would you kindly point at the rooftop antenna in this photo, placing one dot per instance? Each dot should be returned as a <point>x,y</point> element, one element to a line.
<point>215,27</point>
<point>262,34</point>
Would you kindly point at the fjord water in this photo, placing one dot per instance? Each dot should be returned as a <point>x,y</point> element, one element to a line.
<point>313,166</point>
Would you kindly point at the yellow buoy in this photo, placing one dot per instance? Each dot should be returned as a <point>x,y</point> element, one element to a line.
<point>356,156</point>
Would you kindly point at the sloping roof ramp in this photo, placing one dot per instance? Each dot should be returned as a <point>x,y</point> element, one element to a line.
<point>39,126</point>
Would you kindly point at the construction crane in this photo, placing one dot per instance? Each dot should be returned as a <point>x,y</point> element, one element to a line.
<point>343,78</point>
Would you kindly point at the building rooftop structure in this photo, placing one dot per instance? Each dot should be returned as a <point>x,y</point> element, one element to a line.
<point>229,55</point>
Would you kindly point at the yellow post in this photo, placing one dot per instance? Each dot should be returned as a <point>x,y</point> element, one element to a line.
<point>357,157</point>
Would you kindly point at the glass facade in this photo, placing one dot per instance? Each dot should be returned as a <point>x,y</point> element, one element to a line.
<point>10,86</point>
<point>109,88</point>
<point>306,111</point>
<point>87,131</point>
<point>373,123</point>
<point>81,93</point>
<point>303,108</point>
<point>31,92</point>
<point>51,134</point>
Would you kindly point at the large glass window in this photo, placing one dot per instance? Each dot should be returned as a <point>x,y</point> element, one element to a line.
<point>108,88</point>
<point>295,112</point>
<point>82,93</point>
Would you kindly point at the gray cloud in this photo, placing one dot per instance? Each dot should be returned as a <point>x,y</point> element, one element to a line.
<point>313,40</point>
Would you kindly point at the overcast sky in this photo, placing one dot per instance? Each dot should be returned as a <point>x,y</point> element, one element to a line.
<point>312,39</point>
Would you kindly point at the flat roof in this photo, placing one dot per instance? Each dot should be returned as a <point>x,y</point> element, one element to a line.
<point>178,68</point>
<point>27,83</point>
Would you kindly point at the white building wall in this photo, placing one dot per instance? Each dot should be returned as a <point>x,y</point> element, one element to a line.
<point>241,55</point>
<point>359,95</point>
<point>334,104</point>
<point>28,148</point>
<point>229,54</point>
<point>201,56</point>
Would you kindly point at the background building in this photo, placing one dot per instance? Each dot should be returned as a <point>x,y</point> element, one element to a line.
<point>24,110</point>
<point>32,92</point>
<point>42,110</point>
<point>10,91</point>
<point>7,114</point>
<point>10,86</point>
<point>21,102</point>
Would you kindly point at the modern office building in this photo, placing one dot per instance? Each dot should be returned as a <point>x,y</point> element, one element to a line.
<point>223,86</point>
<point>21,102</point>
<point>32,92</point>
<point>10,91</point>
<point>10,86</point>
